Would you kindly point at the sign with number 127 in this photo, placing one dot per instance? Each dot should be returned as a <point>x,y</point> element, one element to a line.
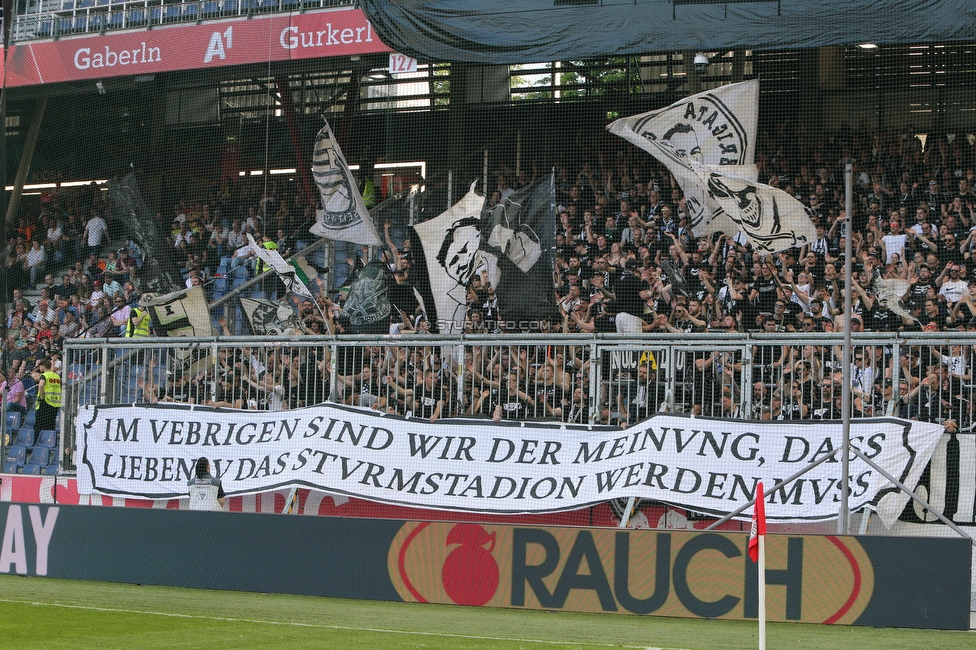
<point>400,63</point>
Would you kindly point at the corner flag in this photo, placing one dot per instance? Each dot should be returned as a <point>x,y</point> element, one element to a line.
<point>758,523</point>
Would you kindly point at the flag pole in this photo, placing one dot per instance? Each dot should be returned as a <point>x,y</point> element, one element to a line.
<point>757,553</point>
<point>762,590</point>
<point>843,519</point>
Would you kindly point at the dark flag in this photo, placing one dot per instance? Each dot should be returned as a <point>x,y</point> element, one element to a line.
<point>368,305</point>
<point>518,241</point>
<point>141,226</point>
<point>269,318</point>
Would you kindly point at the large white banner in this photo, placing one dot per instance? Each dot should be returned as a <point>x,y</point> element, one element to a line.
<point>706,465</point>
<point>708,141</point>
<point>451,244</point>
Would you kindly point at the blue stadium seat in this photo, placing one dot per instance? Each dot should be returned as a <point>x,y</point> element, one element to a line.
<point>9,467</point>
<point>47,439</point>
<point>155,15</point>
<point>257,294</point>
<point>238,282</point>
<point>17,455</point>
<point>52,469</point>
<point>229,7</point>
<point>242,272</point>
<point>136,17</point>
<point>39,456</point>
<point>191,11</point>
<point>65,25</point>
<point>81,23</point>
<point>13,421</point>
<point>45,28</point>
<point>31,468</point>
<point>67,5</point>
<point>25,437</point>
<point>171,13</point>
<point>83,4</point>
<point>29,420</point>
<point>116,20</point>
<point>208,9</point>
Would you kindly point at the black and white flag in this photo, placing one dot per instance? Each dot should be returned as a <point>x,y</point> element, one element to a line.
<point>708,142</point>
<point>288,273</point>
<point>890,293</point>
<point>181,313</point>
<point>368,304</point>
<point>344,216</point>
<point>450,242</point>
<point>269,318</point>
<point>517,244</point>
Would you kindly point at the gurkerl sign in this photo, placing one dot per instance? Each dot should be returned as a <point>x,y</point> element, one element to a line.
<point>706,465</point>
<point>280,37</point>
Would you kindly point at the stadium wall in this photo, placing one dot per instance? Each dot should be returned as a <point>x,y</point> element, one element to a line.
<point>878,581</point>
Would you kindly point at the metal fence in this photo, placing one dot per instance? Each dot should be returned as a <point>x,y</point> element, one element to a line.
<point>599,380</point>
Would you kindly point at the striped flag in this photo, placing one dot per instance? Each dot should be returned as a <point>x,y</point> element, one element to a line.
<point>343,216</point>
<point>758,523</point>
<point>289,275</point>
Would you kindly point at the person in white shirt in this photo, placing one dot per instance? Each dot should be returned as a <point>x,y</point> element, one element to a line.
<point>955,361</point>
<point>95,230</point>
<point>896,241</point>
<point>36,257</point>
<point>953,287</point>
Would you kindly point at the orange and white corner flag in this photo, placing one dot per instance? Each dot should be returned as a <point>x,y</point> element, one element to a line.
<point>758,523</point>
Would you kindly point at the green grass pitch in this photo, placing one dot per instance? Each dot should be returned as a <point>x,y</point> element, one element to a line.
<point>49,613</point>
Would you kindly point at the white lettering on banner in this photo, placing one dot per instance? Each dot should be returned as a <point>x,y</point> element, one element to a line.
<point>705,465</point>
<point>84,59</point>
<point>13,549</point>
<point>216,46</point>
<point>290,38</point>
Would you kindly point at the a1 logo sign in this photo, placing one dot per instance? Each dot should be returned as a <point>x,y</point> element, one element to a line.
<point>401,63</point>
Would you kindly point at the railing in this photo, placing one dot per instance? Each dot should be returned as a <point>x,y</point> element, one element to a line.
<point>599,380</point>
<point>100,16</point>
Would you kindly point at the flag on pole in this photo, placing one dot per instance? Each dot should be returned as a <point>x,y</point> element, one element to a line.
<point>269,318</point>
<point>344,216</point>
<point>288,274</point>
<point>707,141</point>
<point>450,242</point>
<point>517,245</point>
<point>181,313</point>
<point>758,523</point>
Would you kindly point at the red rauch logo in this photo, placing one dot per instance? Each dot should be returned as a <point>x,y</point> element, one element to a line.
<point>468,571</point>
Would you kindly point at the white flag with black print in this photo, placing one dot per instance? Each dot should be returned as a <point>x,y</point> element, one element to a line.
<point>285,271</point>
<point>450,242</point>
<point>708,142</point>
<point>268,318</point>
<point>344,216</point>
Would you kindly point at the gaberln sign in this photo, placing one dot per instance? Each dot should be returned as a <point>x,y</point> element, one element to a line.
<point>703,464</point>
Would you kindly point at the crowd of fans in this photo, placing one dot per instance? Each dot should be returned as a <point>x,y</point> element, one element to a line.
<point>623,250</point>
